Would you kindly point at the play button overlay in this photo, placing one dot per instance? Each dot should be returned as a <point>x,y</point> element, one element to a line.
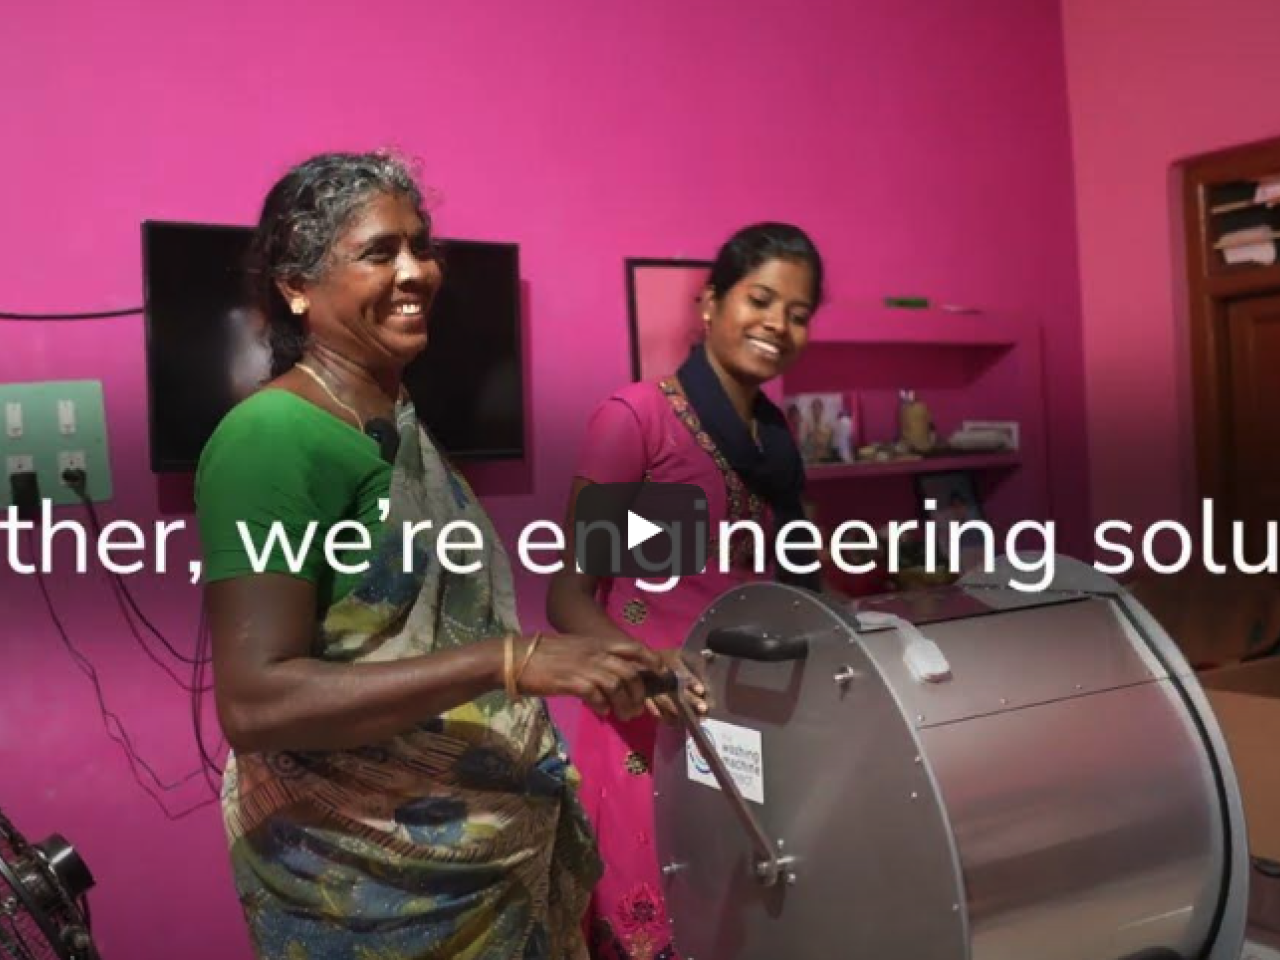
<point>648,531</point>
<point>639,530</point>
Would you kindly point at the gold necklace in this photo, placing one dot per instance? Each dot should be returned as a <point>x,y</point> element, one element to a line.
<point>332,396</point>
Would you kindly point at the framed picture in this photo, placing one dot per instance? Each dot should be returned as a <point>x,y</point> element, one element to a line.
<point>825,426</point>
<point>1007,430</point>
<point>955,500</point>
<point>664,312</point>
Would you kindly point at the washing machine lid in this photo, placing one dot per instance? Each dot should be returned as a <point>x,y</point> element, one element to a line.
<point>1015,653</point>
<point>960,602</point>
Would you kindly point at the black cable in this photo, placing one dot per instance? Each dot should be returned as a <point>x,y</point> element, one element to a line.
<point>98,315</point>
<point>199,662</point>
<point>142,644</point>
<point>123,589</point>
<point>120,593</point>
<point>204,640</point>
<point>120,734</point>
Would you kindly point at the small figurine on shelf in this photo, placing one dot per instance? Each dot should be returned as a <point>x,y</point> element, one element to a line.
<point>915,426</point>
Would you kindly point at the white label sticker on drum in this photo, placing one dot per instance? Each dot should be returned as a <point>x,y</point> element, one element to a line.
<point>739,748</point>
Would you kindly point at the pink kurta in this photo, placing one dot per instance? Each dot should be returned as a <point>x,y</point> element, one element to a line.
<point>648,431</point>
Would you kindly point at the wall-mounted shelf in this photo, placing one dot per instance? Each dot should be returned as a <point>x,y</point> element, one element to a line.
<point>1241,224</point>
<point>892,468</point>
<point>928,328</point>
<point>964,367</point>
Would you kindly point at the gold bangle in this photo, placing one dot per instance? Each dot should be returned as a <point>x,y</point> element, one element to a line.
<point>508,667</point>
<point>528,655</point>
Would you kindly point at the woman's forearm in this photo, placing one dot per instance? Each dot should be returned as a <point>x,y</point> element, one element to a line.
<point>303,703</point>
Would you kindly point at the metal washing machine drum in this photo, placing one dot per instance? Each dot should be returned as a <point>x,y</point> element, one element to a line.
<point>970,772</point>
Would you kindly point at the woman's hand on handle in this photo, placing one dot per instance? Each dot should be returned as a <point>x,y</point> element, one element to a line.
<point>606,674</point>
<point>692,688</point>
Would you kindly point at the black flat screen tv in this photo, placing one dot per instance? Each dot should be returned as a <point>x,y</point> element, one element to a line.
<point>205,352</point>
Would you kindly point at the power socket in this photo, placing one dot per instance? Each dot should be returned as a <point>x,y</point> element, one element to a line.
<point>19,463</point>
<point>70,460</point>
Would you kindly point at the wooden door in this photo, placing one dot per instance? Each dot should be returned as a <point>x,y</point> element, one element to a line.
<point>1234,313</point>
<point>1251,465</point>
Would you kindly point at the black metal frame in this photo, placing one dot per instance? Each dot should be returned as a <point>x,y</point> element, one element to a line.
<point>632,264</point>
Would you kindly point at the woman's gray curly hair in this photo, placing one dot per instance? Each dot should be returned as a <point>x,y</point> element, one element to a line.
<point>302,216</point>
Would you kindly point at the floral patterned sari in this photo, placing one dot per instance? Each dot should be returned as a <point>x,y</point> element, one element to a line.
<point>462,838</point>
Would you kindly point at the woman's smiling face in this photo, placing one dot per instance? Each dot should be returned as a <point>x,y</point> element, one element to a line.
<point>760,326</point>
<point>372,301</point>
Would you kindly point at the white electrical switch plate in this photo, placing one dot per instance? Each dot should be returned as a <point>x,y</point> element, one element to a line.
<point>13,419</point>
<point>42,421</point>
<point>66,417</point>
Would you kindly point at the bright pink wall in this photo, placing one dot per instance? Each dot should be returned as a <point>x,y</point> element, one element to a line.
<point>1149,88</point>
<point>924,145</point>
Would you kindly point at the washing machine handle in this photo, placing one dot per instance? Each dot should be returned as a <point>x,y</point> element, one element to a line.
<point>771,865</point>
<point>745,643</point>
<point>656,684</point>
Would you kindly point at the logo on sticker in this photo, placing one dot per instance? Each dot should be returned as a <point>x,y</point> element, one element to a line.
<point>740,750</point>
<point>695,755</point>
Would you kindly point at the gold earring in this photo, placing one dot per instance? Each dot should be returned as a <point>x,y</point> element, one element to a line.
<point>298,305</point>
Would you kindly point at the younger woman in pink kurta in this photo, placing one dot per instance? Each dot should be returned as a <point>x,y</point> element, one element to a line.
<point>711,426</point>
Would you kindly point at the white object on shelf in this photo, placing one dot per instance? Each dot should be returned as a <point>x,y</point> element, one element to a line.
<point>844,437</point>
<point>987,435</point>
<point>984,440</point>
<point>1268,190</point>
<point>1248,237</point>
<point>1263,253</point>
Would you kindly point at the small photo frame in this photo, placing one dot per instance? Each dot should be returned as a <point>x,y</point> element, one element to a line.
<point>955,497</point>
<point>825,426</point>
<point>1006,429</point>
<point>663,299</point>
